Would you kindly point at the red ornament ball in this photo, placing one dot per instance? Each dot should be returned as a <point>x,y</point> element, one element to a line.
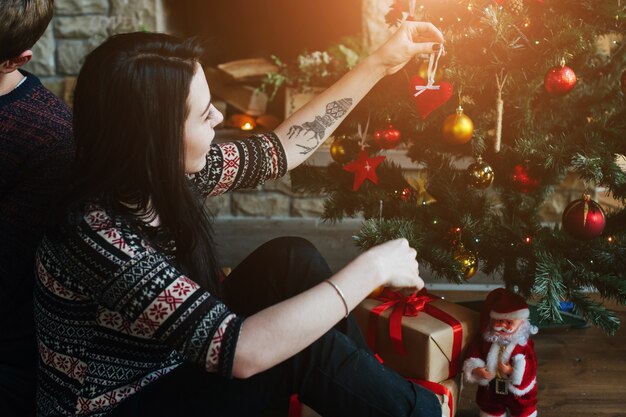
<point>560,80</point>
<point>388,137</point>
<point>523,181</point>
<point>583,219</point>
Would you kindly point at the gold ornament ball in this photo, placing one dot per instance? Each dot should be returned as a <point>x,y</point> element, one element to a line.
<point>343,150</point>
<point>467,261</point>
<point>480,175</point>
<point>458,128</point>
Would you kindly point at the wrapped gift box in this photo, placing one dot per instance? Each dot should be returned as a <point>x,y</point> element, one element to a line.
<point>429,342</point>
<point>447,391</point>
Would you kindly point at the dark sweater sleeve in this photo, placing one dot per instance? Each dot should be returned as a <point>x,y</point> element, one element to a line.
<point>241,164</point>
<point>143,295</point>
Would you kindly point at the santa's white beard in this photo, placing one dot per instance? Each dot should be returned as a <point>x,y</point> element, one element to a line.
<point>519,337</point>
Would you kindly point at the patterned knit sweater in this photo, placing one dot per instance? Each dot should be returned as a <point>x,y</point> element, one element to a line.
<point>115,314</point>
<point>36,148</point>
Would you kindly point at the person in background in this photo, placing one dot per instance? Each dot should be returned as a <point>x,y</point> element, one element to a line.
<point>133,318</point>
<point>36,149</point>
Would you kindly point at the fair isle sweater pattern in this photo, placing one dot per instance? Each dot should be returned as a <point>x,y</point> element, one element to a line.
<point>115,314</point>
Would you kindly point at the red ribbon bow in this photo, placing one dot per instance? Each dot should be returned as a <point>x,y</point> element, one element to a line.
<point>410,306</point>
<point>403,305</point>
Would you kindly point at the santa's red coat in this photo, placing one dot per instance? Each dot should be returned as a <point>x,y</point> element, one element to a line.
<point>522,384</point>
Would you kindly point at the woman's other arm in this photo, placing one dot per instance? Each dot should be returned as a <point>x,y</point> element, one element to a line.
<point>284,329</point>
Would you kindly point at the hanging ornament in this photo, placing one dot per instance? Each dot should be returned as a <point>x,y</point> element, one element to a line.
<point>418,183</point>
<point>422,71</point>
<point>468,262</point>
<point>430,99</point>
<point>428,95</point>
<point>522,180</point>
<point>388,137</point>
<point>343,149</point>
<point>560,80</point>
<point>500,81</point>
<point>480,175</point>
<point>583,219</point>
<point>364,168</point>
<point>458,128</point>
<point>623,82</point>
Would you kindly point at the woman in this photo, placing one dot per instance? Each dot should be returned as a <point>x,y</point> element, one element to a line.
<point>132,318</point>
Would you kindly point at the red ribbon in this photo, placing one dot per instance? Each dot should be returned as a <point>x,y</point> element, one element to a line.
<point>295,406</point>
<point>437,389</point>
<point>410,306</point>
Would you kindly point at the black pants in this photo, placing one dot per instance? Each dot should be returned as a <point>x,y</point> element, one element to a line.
<point>336,376</point>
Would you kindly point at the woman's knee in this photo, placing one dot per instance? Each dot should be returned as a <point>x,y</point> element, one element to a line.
<point>292,244</point>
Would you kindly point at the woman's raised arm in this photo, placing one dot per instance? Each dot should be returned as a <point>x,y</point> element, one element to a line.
<point>304,131</point>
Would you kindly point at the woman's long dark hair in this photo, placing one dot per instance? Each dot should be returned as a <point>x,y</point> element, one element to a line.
<point>130,107</point>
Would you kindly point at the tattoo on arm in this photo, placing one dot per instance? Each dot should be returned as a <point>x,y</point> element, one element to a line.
<point>315,130</point>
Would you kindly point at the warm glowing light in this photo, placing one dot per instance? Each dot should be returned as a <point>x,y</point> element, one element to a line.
<point>441,19</point>
<point>247,126</point>
<point>457,230</point>
<point>536,42</point>
<point>526,24</point>
<point>528,240</point>
<point>458,19</point>
<point>610,239</point>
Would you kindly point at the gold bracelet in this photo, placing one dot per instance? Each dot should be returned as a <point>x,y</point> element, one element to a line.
<point>338,290</point>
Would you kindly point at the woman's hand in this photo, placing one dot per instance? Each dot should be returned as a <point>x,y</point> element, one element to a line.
<point>394,261</point>
<point>410,39</point>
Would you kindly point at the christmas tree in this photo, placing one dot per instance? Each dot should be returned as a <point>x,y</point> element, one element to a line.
<point>522,98</point>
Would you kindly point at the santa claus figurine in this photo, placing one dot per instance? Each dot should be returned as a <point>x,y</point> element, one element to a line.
<point>501,360</point>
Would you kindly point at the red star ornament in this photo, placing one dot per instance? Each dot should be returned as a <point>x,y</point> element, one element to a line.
<point>364,168</point>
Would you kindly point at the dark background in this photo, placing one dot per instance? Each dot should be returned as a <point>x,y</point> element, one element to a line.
<point>237,29</point>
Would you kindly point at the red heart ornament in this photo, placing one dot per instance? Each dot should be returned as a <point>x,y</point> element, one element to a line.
<point>429,100</point>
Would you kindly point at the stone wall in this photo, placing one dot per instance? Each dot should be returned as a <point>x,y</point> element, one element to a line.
<point>77,27</point>
<point>274,199</point>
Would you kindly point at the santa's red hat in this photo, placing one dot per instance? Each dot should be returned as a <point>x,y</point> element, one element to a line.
<point>503,304</point>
